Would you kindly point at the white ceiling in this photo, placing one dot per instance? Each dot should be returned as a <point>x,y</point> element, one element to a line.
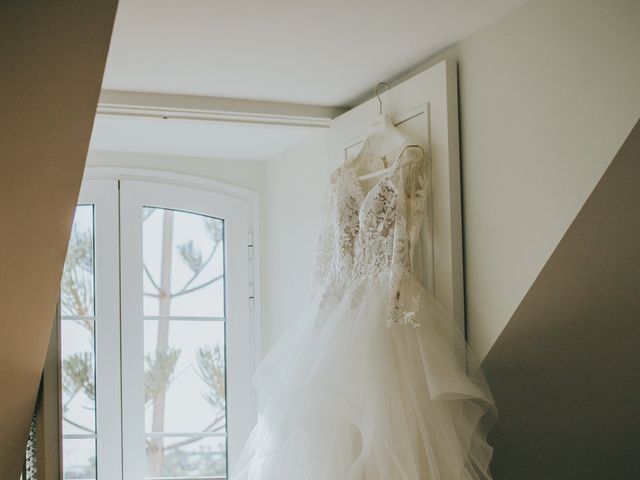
<point>320,52</point>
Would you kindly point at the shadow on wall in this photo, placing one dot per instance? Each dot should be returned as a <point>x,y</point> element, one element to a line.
<point>566,370</point>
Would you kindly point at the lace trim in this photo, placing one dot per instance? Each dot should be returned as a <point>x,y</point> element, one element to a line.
<point>366,232</point>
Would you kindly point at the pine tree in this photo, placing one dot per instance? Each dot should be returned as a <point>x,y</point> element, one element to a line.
<point>160,367</point>
<point>78,368</point>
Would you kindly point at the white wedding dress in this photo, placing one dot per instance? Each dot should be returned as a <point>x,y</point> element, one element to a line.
<point>372,382</point>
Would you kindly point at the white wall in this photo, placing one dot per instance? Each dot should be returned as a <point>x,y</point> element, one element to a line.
<point>547,94</point>
<point>296,181</point>
<point>248,174</point>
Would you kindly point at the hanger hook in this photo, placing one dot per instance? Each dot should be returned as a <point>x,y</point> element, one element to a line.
<point>381,84</point>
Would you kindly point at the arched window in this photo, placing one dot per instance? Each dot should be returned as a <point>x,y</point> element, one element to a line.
<point>158,327</point>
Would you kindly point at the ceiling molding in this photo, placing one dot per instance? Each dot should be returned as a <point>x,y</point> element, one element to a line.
<point>214,109</point>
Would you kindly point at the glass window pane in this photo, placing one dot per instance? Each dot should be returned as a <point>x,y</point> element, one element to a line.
<point>171,457</point>
<point>79,458</point>
<point>77,280</point>
<point>183,256</point>
<point>78,349</point>
<point>184,376</point>
<point>78,376</point>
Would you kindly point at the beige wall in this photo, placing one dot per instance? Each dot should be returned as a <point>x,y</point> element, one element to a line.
<point>564,372</point>
<point>52,59</point>
<point>547,94</point>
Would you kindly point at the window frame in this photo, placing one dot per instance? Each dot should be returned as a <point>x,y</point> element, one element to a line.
<point>115,193</point>
<point>102,195</point>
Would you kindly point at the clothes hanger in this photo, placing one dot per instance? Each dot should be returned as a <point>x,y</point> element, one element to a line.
<point>384,126</point>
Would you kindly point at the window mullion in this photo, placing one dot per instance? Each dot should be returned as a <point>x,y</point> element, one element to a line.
<point>132,335</point>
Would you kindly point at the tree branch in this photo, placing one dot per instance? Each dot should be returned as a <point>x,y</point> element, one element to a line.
<point>206,284</point>
<point>153,282</point>
<point>77,425</point>
<point>197,272</point>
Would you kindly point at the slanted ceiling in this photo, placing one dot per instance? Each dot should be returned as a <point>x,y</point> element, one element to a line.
<point>52,56</point>
<point>566,370</point>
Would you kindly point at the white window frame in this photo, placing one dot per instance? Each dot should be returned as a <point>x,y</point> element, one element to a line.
<point>120,445</point>
<point>103,196</point>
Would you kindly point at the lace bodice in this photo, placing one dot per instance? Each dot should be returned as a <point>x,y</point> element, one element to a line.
<point>373,226</point>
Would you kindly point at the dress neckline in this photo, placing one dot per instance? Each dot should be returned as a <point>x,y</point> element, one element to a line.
<point>351,165</point>
<point>353,161</point>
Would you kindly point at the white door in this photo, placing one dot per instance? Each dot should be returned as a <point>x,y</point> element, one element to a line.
<point>90,337</point>
<point>158,332</point>
<point>425,107</point>
<point>154,215</point>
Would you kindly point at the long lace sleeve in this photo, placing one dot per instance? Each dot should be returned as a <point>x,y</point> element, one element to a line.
<point>410,205</point>
<point>325,248</point>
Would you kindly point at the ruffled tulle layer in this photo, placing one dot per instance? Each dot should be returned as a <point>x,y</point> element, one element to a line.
<point>348,398</point>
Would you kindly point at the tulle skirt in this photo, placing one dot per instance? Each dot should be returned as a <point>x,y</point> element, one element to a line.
<point>349,398</point>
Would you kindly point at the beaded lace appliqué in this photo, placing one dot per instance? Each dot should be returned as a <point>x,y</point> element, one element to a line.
<point>365,234</point>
